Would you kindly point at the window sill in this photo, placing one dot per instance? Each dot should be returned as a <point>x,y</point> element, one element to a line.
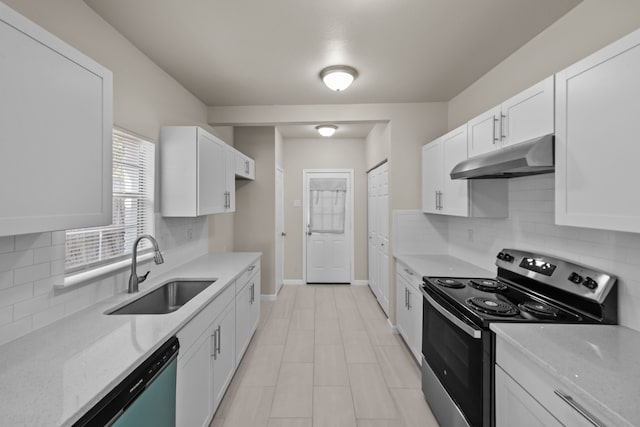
<point>89,275</point>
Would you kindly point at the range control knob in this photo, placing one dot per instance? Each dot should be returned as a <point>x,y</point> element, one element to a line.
<point>590,283</point>
<point>575,278</point>
<point>505,257</point>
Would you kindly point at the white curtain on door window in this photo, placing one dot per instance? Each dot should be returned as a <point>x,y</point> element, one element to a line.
<point>327,198</point>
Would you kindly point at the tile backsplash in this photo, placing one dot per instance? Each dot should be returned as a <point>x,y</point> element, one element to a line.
<point>530,226</point>
<point>31,264</point>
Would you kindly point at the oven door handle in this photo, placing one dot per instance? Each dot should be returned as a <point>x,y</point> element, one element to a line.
<point>475,333</point>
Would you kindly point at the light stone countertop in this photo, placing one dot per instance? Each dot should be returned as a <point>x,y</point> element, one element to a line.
<point>52,376</point>
<point>599,364</point>
<point>443,265</point>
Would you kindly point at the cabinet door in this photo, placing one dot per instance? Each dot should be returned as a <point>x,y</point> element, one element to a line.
<point>484,134</point>
<point>254,306</point>
<point>597,106</point>
<point>454,199</point>
<point>414,313</point>
<point>194,385</point>
<point>223,358</point>
<point>243,303</point>
<point>431,176</point>
<point>230,178</point>
<point>515,406</point>
<point>529,114</point>
<point>211,175</point>
<point>55,132</point>
<point>403,320</point>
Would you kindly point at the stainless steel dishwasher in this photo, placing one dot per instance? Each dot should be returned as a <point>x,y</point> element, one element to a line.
<point>147,397</point>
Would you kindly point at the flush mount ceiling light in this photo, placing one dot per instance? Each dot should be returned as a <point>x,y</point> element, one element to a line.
<point>326,130</point>
<point>338,77</point>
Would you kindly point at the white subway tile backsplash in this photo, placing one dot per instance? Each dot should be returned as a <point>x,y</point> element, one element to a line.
<point>13,260</point>
<point>31,264</point>
<point>6,315</point>
<point>30,241</point>
<point>31,273</point>
<point>30,306</point>
<point>6,244</point>
<point>6,279</point>
<point>16,294</point>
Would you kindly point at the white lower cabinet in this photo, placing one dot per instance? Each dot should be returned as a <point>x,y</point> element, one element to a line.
<point>247,312</point>
<point>224,351</point>
<point>194,391</point>
<point>528,395</point>
<point>211,346</point>
<point>409,308</point>
<point>514,404</point>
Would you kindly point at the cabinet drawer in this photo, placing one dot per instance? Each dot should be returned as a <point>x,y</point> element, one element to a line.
<point>412,278</point>
<point>543,387</point>
<point>246,275</point>
<point>189,334</point>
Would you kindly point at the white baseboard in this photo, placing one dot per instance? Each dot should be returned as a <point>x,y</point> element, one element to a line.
<point>360,283</point>
<point>268,297</point>
<point>293,282</point>
<point>393,327</point>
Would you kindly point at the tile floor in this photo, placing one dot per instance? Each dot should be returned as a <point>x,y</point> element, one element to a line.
<point>324,355</point>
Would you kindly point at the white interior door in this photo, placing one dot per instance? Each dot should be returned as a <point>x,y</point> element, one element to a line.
<point>328,211</point>
<point>280,233</point>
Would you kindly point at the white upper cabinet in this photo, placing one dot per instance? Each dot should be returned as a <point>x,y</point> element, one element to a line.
<point>529,114</point>
<point>597,149</point>
<point>525,116</point>
<point>245,166</point>
<point>197,173</point>
<point>56,120</point>
<point>484,132</point>
<point>443,195</point>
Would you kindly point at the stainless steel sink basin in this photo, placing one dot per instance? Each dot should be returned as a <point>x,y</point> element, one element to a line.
<point>166,299</point>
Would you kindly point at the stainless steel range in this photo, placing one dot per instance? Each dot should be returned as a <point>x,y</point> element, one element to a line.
<point>457,344</point>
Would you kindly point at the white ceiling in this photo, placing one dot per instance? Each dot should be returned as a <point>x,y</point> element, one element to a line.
<point>267,52</point>
<point>345,130</point>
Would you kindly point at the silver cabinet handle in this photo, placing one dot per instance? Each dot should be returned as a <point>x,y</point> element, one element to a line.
<point>246,167</point>
<point>441,199</point>
<point>579,408</point>
<point>214,345</point>
<point>468,329</point>
<point>436,200</point>
<point>219,334</point>
<point>503,120</point>
<point>408,300</point>
<point>495,122</point>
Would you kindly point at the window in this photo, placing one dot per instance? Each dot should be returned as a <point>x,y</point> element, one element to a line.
<point>133,179</point>
<point>327,198</point>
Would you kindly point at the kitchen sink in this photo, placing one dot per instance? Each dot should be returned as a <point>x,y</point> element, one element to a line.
<point>166,299</point>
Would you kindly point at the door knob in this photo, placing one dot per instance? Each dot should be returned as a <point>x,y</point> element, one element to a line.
<point>283,234</point>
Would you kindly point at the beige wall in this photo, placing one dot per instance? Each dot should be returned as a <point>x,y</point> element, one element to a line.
<point>378,144</point>
<point>315,153</point>
<point>254,223</point>
<point>588,27</point>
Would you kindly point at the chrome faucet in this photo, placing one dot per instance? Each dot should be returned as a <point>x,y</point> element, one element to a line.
<point>134,279</point>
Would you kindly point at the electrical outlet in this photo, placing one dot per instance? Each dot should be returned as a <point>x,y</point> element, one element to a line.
<point>189,233</point>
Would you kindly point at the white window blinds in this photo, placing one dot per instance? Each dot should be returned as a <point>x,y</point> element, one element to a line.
<point>133,180</point>
<point>327,205</point>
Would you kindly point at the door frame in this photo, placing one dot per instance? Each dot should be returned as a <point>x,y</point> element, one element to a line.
<point>350,218</point>
<point>279,238</point>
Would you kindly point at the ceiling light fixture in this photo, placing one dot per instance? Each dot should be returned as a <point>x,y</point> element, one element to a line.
<point>326,130</point>
<point>338,77</point>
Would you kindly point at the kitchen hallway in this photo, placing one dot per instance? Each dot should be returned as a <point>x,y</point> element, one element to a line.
<point>324,355</point>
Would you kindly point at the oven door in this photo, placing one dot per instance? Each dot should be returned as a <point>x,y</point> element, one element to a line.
<point>458,356</point>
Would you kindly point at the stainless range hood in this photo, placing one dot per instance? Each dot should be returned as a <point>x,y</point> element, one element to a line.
<point>532,157</point>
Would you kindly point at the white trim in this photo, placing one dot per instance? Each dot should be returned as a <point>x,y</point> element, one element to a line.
<point>279,170</point>
<point>393,327</point>
<point>360,283</point>
<point>350,237</point>
<point>84,276</point>
<point>293,282</point>
<point>268,297</point>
